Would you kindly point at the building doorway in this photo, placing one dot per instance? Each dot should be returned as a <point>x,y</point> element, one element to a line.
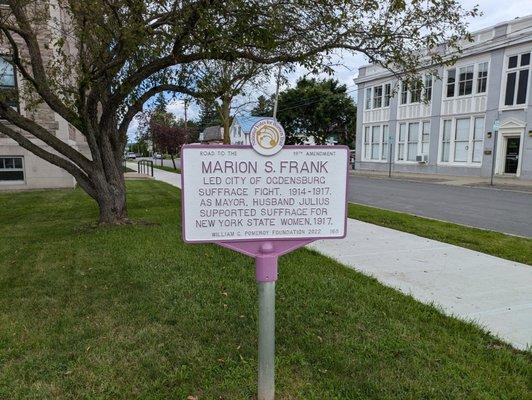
<point>512,155</point>
<point>509,147</point>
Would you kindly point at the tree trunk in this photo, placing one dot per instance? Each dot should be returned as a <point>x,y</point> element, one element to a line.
<point>173,160</point>
<point>111,199</point>
<point>226,119</point>
<point>109,184</point>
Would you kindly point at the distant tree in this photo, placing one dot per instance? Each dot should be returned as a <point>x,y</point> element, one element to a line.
<point>264,107</point>
<point>317,108</point>
<point>220,82</point>
<point>169,139</point>
<point>208,114</point>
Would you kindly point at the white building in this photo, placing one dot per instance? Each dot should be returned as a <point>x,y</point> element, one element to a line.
<point>241,127</point>
<point>454,131</point>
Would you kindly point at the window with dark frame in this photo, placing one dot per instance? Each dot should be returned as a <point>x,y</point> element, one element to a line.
<point>465,81</point>
<point>404,93</point>
<point>387,94</point>
<point>517,75</point>
<point>377,97</point>
<point>8,82</point>
<point>415,92</point>
<point>11,169</point>
<point>428,87</point>
<point>368,99</point>
<point>451,78</point>
<point>482,77</point>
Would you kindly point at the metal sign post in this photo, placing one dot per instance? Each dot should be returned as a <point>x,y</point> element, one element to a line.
<point>496,126</point>
<point>266,274</point>
<point>264,202</point>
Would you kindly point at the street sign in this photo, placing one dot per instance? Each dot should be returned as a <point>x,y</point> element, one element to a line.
<point>264,201</point>
<point>496,125</point>
<point>232,193</point>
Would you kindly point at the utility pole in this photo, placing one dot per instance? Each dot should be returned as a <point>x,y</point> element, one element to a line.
<point>277,93</point>
<point>186,109</point>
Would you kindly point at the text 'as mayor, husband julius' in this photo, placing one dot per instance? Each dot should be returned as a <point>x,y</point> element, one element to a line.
<point>252,167</point>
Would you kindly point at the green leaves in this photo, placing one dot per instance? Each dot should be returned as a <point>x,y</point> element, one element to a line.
<point>319,109</point>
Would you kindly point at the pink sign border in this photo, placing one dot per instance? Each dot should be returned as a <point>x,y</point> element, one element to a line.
<point>229,147</point>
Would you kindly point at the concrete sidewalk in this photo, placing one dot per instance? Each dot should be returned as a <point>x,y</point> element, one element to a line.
<point>493,292</point>
<point>169,177</point>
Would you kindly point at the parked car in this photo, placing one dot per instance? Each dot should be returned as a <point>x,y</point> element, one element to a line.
<point>157,156</point>
<point>130,155</point>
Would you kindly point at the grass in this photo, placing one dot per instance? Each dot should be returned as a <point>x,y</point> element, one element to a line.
<point>169,169</point>
<point>510,247</point>
<point>133,313</point>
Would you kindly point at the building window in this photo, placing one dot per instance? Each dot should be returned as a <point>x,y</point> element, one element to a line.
<point>8,82</point>
<point>465,81</point>
<point>462,140</point>
<point>375,142</point>
<point>482,77</point>
<point>367,142</point>
<point>517,79</point>
<point>377,97</point>
<point>428,87</point>
<point>446,141</point>
<point>401,142</point>
<point>471,79</point>
<point>415,92</point>
<point>368,99</point>
<point>451,78</point>
<point>404,93</point>
<point>11,168</point>
<point>385,135</point>
<point>478,140</point>
<point>425,138</point>
<point>387,94</point>
<point>413,139</point>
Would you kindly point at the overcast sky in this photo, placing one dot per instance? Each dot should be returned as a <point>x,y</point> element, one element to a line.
<point>494,12</point>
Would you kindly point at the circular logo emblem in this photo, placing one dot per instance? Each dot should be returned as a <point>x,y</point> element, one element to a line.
<point>267,137</point>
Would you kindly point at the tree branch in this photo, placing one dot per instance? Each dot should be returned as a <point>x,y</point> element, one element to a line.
<point>136,107</point>
<point>40,81</point>
<point>39,132</point>
<point>80,176</point>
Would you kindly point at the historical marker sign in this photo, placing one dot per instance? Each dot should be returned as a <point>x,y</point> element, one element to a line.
<point>264,200</point>
<point>232,193</point>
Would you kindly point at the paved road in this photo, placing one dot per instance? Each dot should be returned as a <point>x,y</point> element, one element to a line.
<point>500,210</point>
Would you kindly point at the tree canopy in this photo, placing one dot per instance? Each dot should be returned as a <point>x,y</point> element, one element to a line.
<point>97,62</point>
<point>321,109</point>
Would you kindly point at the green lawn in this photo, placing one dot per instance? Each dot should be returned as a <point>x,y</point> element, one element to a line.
<point>165,168</point>
<point>133,313</point>
<point>513,248</point>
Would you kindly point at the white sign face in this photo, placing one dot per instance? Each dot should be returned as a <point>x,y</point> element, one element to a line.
<point>231,193</point>
<point>496,125</point>
<point>267,137</point>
